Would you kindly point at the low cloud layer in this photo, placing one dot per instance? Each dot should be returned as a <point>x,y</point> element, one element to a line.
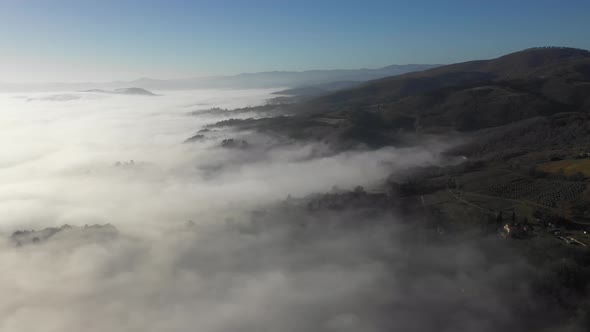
<point>120,159</point>
<point>191,255</point>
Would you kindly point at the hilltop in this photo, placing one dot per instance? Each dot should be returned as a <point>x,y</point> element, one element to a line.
<point>473,95</point>
<point>464,97</point>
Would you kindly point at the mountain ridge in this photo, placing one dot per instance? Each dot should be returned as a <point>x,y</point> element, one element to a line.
<point>123,91</point>
<point>462,97</point>
<point>269,79</point>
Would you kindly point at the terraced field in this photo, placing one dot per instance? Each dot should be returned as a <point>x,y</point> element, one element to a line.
<point>544,192</point>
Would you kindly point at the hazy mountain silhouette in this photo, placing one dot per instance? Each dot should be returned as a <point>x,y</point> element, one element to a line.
<point>459,97</point>
<point>274,79</point>
<point>124,91</point>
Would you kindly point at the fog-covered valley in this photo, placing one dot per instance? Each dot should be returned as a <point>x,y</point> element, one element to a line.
<point>121,159</point>
<point>294,166</point>
<point>113,221</point>
<point>186,254</point>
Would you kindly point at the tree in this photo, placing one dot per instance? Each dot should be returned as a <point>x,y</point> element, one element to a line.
<point>499,218</point>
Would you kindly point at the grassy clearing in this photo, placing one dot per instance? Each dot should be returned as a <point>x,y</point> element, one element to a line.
<point>569,167</point>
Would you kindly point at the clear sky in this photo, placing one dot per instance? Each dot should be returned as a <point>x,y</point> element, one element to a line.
<point>100,40</point>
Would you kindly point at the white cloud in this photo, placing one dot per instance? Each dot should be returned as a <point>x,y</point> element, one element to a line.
<point>223,274</point>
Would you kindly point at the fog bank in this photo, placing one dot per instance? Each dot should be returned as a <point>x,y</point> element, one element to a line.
<point>204,242</point>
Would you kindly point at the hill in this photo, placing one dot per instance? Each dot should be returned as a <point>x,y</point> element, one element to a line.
<point>318,89</point>
<point>321,77</point>
<point>463,97</point>
<point>476,94</point>
<point>124,91</point>
<point>523,120</point>
<point>519,174</point>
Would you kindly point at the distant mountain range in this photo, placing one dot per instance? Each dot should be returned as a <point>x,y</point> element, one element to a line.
<point>274,79</point>
<point>462,97</point>
<point>472,95</point>
<point>123,91</point>
<point>318,89</point>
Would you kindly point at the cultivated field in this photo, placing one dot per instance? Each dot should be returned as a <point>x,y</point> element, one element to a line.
<point>568,167</point>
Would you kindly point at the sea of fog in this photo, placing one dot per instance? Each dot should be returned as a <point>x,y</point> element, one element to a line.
<point>187,258</point>
<point>59,151</point>
<point>59,154</point>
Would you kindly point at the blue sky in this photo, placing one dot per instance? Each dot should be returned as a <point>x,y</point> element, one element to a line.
<point>78,40</point>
